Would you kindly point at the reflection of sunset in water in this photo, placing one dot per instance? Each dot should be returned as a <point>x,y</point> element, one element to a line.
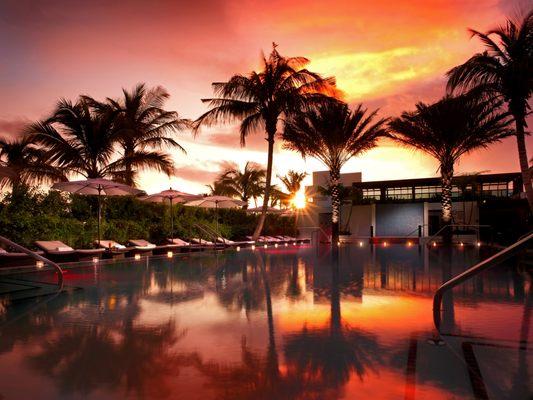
<point>268,325</point>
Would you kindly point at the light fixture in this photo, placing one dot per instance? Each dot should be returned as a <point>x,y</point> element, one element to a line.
<point>409,244</point>
<point>137,256</point>
<point>265,246</point>
<point>170,254</point>
<point>238,248</point>
<point>461,244</point>
<point>39,264</point>
<point>253,246</point>
<point>294,243</point>
<point>338,243</point>
<point>360,244</point>
<point>95,260</point>
<point>385,244</point>
<point>478,244</point>
<point>286,244</point>
<point>434,244</point>
<point>276,245</point>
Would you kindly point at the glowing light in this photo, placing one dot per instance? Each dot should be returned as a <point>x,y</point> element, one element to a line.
<point>95,260</point>
<point>137,256</point>
<point>478,244</point>
<point>253,246</point>
<point>360,244</point>
<point>238,248</point>
<point>338,243</point>
<point>434,244</point>
<point>385,244</point>
<point>286,244</point>
<point>170,254</point>
<point>39,264</point>
<point>409,244</point>
<point>276,245</point>
<point>461,244</point>
<point>294,243</point>
<point>299,201</point>
<point>265,246</point>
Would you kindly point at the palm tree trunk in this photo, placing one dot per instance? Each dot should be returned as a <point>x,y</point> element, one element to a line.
<point>524,164</point>
<point>271,131</point>
<point>446,201</point>
<point>335,205</point>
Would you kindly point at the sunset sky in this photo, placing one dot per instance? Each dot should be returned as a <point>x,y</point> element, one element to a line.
<point>386,54</point>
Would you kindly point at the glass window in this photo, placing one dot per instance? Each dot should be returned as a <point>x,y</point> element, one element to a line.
<point>373,193</point>
<point>400,193</point>
<point>427,192</point>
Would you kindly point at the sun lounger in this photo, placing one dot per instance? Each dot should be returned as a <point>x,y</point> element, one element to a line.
<point>8,259</point>
<point>202,242</point>
<point>58,251</point>
<point>140,246</point>
<point>113,249</point>
<point>232,243</point>
<point>178,244</point>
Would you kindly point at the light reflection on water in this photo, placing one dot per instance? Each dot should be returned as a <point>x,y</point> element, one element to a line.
<point>272,324</point>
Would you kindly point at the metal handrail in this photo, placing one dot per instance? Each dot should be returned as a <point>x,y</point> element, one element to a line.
<point>207,232</point>
<point>37,257</point>
<point>454,226</point>
<point>476,269</point>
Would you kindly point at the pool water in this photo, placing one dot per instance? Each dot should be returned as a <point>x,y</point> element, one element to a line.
<point>291,323</point>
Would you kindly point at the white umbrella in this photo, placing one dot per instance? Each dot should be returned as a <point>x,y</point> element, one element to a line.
<point>171,195</point>
<point>216,202</point>
<point>97,187</point>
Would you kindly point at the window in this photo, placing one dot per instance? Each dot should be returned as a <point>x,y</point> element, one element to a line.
<point>498,189</point>
<point>374,193</point>
<point>427,192</point>
<point>400,193</point>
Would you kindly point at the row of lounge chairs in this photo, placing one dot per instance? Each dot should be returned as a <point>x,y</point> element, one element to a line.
<point>58,251</point>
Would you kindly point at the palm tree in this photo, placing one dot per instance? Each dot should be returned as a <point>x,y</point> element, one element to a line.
<point>333,134</point>
<point>245,185</point>
<point>449,129</point>
<point>144,128</point>
<point>292,182</point>
<point>79,138</point>
<point>262,99</point>
<point>504,70</point>
<point>26,163</point>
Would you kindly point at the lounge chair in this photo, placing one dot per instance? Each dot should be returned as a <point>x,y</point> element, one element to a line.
<point>178,244</point>
<point>140,246</point>
<point>58,251</point>
<point>113,249</point>
<point>9,259</point>
<point>231,243</point>
<point>202,242</point>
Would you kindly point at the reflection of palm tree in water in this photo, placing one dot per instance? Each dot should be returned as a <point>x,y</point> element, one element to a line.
<point>331,355</point>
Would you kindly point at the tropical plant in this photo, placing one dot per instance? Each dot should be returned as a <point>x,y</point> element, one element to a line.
<point>24,163</point>
<point>447,130</point>
<point>144,129</point>
<point>504,70</point>
<point>245,185</point>
<point>262,99</point>
<point>79,138</point>
<point>333,134</point>
<point>292,182</point>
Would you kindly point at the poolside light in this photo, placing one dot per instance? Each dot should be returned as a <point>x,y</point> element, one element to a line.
<point>385,244</point>
<point>95,260</point>
<point>434,244</point>
<point>276,245</point>
<point>338,243</point>
<point>360,244</point>
<point>286,244</point>
<point>294,243</point>
<point>478,244</point>
<point>170,254</point>
<point>461,244</point>
<point>409,244</point>
<point>39,264</point>
<point>238,248</point>
<point>265,246</point>
<point>253,246</point>
<point>137,256</point>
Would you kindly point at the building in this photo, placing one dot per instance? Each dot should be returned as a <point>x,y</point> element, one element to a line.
<point>404,208</point>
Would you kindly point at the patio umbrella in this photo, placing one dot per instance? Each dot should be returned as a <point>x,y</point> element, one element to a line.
<point>97,187</point>
<point>272,210</point>
<point>171,195</point>
<point>216,202</point>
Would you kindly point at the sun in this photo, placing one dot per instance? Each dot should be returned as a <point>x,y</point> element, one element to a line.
<point>299,201</point>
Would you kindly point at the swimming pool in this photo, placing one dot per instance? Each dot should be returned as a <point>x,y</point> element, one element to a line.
<point>291,323</point>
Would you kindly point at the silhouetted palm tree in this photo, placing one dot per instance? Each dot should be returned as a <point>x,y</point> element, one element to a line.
<point>79,139</point>
<point>449,129</point>
<point>504,69</point>
<point>245,185</point>
<point>144,128</point>
<point>26,163</point>
<point>292,182</point>
<point>333,134</point>
<point>262,99</point>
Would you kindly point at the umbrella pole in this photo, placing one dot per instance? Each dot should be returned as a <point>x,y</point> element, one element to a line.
<point>99,214</point>
<point>216,214</point>
<point>171,220</point>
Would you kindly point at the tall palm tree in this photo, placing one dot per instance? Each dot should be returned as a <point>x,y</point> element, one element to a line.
<point>246,184</point>
<point>26,163</point>
<point>292,182</point>
<point>144,129</point>
<point>333,134</point>
<point>79,138</point>
<point>504,69</point>
<point>449,129</point>
<point>262,99</point>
